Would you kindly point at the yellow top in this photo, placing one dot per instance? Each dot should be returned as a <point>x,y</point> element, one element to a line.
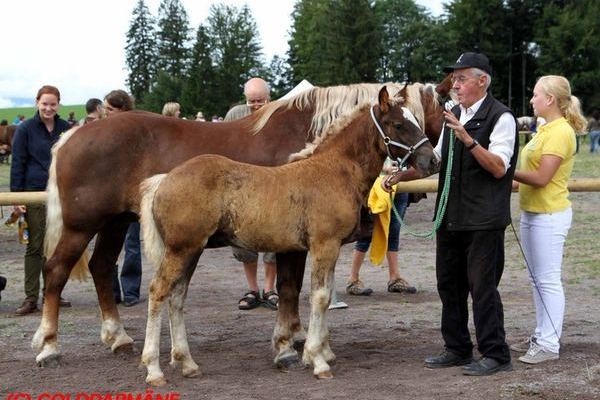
<point>556,138</point>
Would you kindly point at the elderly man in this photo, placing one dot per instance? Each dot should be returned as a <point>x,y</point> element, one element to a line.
<point>470,241</point>
<point>257,93</point>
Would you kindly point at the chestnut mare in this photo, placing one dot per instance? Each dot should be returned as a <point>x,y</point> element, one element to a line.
<point>97,168</point>
<point>229,199</point>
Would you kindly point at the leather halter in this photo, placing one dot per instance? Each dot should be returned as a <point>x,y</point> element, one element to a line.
<point>410,150</point>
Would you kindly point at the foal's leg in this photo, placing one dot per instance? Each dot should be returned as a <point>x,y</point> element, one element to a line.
<point>180,349</point>
<point>290,272</point>
<point>316,350</point>
<point>168,276</point>
<point>56,271</point>
<point>106,251</point>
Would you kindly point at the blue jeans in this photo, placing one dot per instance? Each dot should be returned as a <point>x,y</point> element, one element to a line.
<point>131,273</point>
<point>401,203</point>
<point>594,139</point>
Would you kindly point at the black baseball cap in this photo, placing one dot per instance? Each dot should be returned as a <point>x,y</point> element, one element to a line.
<point>471,60</point>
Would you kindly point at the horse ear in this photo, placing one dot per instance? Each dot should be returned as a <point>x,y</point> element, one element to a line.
<point>403,93</point>
<point>384,100</point>
<point>444,87</point>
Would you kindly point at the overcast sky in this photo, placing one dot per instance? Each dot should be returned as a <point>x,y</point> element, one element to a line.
<point>78,46</point>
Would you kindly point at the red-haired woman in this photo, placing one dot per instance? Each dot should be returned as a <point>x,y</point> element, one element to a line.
<point>31,157</point>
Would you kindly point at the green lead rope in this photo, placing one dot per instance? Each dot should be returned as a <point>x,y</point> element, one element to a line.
<point>441,210</point>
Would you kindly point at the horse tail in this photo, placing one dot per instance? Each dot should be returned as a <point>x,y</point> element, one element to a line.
<point>154,247</point>
<point>54,219</point>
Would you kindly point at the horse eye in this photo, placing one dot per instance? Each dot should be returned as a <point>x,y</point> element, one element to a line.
<point>398,125</point>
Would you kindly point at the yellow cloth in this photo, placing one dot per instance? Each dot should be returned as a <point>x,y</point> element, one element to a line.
<point>556,138</point>
<point>380,205</point>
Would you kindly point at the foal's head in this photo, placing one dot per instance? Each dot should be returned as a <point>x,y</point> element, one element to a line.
<point>404,139</point>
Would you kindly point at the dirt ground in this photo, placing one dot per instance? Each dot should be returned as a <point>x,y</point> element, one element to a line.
<point>380,341</point>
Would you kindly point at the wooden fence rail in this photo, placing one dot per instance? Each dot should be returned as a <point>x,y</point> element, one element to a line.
<point>418,186</point>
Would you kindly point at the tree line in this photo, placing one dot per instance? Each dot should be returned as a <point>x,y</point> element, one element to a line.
<point>336,42</point>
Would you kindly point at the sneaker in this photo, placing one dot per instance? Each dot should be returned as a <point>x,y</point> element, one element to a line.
<point>28,307</point>
<point>523,345</point>
<point>356,288</point>
<point>400,285</point>
<point>537,354</point>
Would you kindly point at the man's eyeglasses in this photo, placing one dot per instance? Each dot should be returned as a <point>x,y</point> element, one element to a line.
<point>461,79</point>
<point>256,102</point>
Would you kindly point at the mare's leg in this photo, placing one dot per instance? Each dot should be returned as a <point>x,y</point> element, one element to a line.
<point>169,276</point>
<point>316,350</point>
<point>106,251</point>
<point>56,270</point>
<point>290,272</point>
<point>180,349</point>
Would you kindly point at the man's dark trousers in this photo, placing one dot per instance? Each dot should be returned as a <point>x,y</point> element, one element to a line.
<point>472,262</point>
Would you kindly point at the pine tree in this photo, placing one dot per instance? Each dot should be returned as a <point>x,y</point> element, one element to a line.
<point>312,53</point>
<point>412,42</point>
<point>569,44</point>
<point>140,54</point>
<point>199,88</point>
<point>482,25</point>
<point>172,38</point>
<point>166,88</point>
<point>279,77</point>
<point>235,52</point>
<point>334,42</point>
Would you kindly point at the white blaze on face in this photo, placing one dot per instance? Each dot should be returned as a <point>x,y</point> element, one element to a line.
<point>409,116</point>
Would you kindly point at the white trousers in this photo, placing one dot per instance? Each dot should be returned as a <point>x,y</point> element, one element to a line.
<point>543,237</point>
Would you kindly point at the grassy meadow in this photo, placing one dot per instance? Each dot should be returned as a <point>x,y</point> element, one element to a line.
<point>9,114</point>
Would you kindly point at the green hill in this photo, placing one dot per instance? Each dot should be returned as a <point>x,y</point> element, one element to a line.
<point>9,114</point>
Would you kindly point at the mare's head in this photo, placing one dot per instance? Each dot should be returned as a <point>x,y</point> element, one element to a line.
<point>402,138</point>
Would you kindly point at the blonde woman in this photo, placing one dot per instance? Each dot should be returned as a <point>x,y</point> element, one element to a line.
<point>546,164</point>
<point>171,109</point>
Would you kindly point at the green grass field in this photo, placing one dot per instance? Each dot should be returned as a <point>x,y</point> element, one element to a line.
<point>9,114</point>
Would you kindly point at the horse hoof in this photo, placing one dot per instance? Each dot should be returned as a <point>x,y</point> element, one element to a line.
<point>289,363</point>
<point>191,373</point>
<point>125,348</point>
<point>161,381</point>
<point>51,361</point>
<point>298,345</point>
<point>324,375</point>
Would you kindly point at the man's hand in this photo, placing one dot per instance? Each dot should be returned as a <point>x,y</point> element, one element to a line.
<point>20,209</point>
<point>401,176</point>
<point>459,130</point>
<point>385,183</point>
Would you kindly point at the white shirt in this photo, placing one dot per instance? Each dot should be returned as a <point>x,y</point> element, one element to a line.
<point>502,138</point>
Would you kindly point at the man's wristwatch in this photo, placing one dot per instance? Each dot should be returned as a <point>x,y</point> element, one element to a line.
<point>472,145</point>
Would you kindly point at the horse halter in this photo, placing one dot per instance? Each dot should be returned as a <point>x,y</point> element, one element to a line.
<point>410,150</point>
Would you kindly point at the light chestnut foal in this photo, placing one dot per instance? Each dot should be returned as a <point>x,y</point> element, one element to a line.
<point>312,204</point>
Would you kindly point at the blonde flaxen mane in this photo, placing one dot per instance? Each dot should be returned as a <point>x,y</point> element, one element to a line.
<point>334,102</point>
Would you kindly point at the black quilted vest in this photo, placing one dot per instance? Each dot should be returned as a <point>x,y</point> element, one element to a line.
<point>477,200</point>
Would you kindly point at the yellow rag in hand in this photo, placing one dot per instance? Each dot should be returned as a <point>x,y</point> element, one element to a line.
<point>380,205</point>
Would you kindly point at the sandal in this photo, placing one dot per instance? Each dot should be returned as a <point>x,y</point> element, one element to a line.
<point>249,301</point>
<point>270,299</point>
<point>356,288</point>
<point>401,285</point>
